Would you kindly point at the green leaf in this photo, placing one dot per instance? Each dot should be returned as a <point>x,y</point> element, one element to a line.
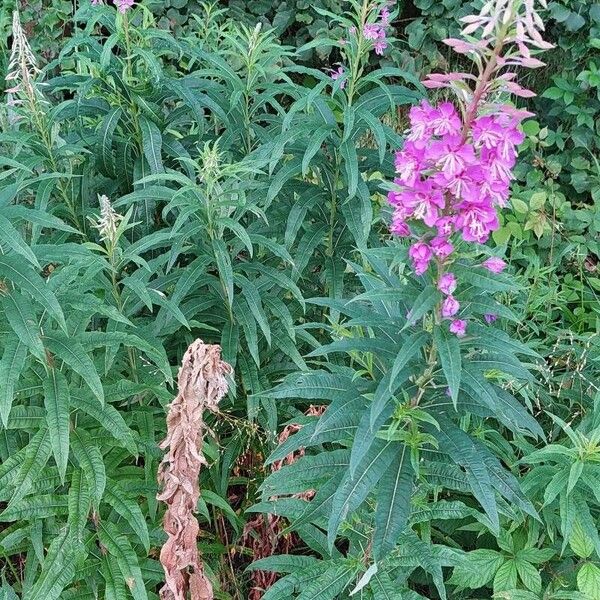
<point>506,577</point>
<point>35,458</point>
<point>79,503</point>
<point>13,240</point>
<point>36,507</point>
<point>331,583</point>
<point>114,584</point>
<point>119,547</point>
<point>588,580</point>
<point>152,145</point>
<point>477,569</point>
<point>463,451</point>
<point>128,509</point>
<point>109,417</point>
<point>424,302</point>
<point>224,267</point>
<point>409,349</point>
<point>58,569</point>
<point>23,276</point>
<point>105,133</point>
<point>529,575</point>
<point>90,460</point>
<point>72,352</point>
<point>448,348</point>
<point>11,366</point>
<point>21,317</point>
<point>393,503</point>
<point>353,490</point>
<point>56,402</point>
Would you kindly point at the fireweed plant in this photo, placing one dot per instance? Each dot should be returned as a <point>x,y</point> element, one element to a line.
<point>408,428</point>
<point>155,190</point>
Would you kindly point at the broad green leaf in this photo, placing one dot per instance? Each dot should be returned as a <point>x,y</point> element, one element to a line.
<point>588,580</point>
<point>477,569</point>
<point>56,402</point>
<point>506,576</point>
<point>529,575</point>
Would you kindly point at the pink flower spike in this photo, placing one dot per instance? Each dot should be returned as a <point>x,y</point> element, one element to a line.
<point>458,327</point>
<point>447,284</point>
<point>450,306</point>
<point>494,264</point>
<point>490,317</point>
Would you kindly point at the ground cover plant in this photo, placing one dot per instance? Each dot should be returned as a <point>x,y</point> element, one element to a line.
<point>299,300</point>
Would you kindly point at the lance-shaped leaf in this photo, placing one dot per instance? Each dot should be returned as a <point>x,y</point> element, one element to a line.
<point>25,277</point>
<point>11,366</point>
<point>56,402</point>
<point>72,352</point>
<point>448,348</point>
<point>393,503</point>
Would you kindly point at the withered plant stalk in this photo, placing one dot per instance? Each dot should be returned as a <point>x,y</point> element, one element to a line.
<point>201,384</point>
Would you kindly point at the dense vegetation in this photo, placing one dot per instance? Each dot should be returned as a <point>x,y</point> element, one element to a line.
<point>179,170</point>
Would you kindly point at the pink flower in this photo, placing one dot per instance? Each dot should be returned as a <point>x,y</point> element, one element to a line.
<point>409,164</point>
<point>420,254</point>
<point>372,31</point>
<point>441,247</point>
<point>450,306</point>
<point>420,123</point>
<point>490,318</point>
<point>447,283</point>
<point>400,227</point>
<point>451,155</point>
<point>444,226</point>
<point>446,120</point>
<point>379,47</point>
<point>423,202</point>
<point>340,72</point>
<point>477,221</point>
<point>494,264</point>
<point>458,327</point>
<point>124,5</point>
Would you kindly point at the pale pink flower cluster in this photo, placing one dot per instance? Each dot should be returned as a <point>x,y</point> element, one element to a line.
<point>124,5</point>
<point>455,168</point>
<point>376,31</point>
